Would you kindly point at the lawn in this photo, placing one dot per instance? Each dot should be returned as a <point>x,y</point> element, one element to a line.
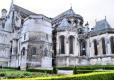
<point>13,73</point>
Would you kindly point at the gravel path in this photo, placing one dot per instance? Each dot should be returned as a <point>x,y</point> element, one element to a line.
<point>67,72</point>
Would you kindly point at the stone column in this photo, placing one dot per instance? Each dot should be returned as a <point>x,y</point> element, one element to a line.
<point>100,48</point>
<point>92,49</point>
<point>67,61</point>
<point>66,45</point>
<point>13,47</point>
<point>58,45</point>
<point>76,48</point>
<point>87,47</point>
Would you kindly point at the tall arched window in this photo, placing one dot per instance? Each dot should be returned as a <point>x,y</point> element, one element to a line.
<point>112,44</point>
<point>62,46</point>
<point>71,42</point>
<point>103,46</point>
<point>95,47</point>
<point>82,47</point>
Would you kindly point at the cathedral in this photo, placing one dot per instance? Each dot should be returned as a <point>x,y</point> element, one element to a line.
<point>27,40</point>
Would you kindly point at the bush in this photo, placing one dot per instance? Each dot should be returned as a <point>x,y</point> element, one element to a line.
<point>89,76</point>
<point>2,74</point>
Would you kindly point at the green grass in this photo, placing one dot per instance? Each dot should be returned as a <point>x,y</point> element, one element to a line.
<point>12,74</point>
<point>89,76</point>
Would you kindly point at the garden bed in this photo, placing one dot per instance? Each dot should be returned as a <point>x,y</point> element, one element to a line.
<point>88,76</point>
<point>13,73</point>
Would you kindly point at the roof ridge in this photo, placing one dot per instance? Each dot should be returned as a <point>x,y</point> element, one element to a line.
<point>69,11</point>
<point>21,9</point>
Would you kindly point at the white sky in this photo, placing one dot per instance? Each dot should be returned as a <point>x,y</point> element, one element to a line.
<point>89,9</point>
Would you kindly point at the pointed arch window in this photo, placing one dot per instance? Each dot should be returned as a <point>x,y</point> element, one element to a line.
<point>23,51</point>
<point>112,44</point>
<point>103,46</point>
<point>82,47</point>
<point>71,46</point>
<point>95,47</point>
<point>62,44</point>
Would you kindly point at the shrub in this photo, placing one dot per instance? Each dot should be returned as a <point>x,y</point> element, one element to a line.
<point>2,74</point>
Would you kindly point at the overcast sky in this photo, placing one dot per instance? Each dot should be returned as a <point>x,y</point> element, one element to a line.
<point>91,10</point>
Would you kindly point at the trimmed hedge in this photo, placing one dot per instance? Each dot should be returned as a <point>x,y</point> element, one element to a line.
<point>89,76</point>
<point>51,71</point>
<point>90,67</point>
<point>10,68</point>
<point>40,70</point>
<point>87,71</point>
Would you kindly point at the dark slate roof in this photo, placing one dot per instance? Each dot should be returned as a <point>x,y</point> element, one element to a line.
<point>93,33</point>
<point>68,12</point>
<point>64,23</point>
<point>101,25</point>
<point>24,12</point>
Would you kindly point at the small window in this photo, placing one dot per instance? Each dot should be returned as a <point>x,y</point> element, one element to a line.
<point>22,21</point>
<point>75,21</point>
<point>69,21</point>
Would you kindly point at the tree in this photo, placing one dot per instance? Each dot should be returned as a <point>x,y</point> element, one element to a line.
<point>54,33</point>
<point>54,70</point>
<point>75,70</point>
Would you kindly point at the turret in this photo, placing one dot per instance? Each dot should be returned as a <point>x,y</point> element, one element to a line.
<point>4,13</point>
<point>86,28</point>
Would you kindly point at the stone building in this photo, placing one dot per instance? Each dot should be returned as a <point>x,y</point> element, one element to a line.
<point>26,40</point>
